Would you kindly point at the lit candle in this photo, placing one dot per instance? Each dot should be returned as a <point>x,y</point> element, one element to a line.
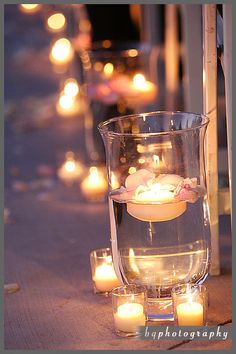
<point>190,314</point>
<point>71,171</point>
<point>108,70</point>
<point>71,87</point>
<point>61,52</point>
<point>56,22</point>
<point>105,278</point>
<point>129,316</point>
<point>94,186</point>
<point>30,8</point>
<point>136,91</point>
<point>68,105</point>
<point>153,201</point>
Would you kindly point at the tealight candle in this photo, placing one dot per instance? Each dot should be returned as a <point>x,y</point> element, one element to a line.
<point>94,186</point>
<point>129,309</point>
<point>190,314</point>
<point>129,316</point>
<point>103,272</point>
<point>105,278</point>
<point>190,304</point>
<point>71,170</point>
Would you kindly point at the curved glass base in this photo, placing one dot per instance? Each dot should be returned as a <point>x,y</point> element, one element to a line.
<point>160,309</point>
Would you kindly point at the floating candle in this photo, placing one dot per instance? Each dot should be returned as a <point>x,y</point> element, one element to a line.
<point>136,90</point>
<point>129,317</point>
<point>94,186</point>
<point>152,201</point>
<point>190,314</point>
<point>140,91</point>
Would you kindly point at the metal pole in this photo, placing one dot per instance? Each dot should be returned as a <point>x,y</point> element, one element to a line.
<point>210,109</point>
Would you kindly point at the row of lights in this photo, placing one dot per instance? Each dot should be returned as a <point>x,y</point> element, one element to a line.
<point>93,184</point>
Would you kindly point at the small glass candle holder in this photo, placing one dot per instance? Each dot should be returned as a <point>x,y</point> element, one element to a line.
<point>190,302</point>
<point>103,272</point>
<point>129,309</point>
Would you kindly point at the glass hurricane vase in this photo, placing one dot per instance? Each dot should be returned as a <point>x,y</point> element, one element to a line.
<point>158,204</point>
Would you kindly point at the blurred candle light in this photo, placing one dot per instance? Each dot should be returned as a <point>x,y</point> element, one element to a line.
<point>132,170</point>
<point>68,105</point>
<point>56,22</point>
<point>98,66</point>
<point>30,8</point>
<point>108,69</point>
<point>132,53</point>
<point>71,87</point>
<point>71,170</point>
<point>61,52</point>
<point>94,186</point>
<point>139,81</point>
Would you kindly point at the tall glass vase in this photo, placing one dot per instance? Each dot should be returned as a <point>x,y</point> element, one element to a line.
<point>120,79</point>
<point>158,204</point>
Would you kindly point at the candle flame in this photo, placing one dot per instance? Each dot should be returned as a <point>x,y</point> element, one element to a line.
<point>70,165</point>
<point>93,175</point>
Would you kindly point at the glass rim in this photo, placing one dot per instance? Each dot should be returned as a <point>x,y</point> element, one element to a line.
<point>99,250</point>
<point>104,124</point>
<point>138,289</point>
<point>176,290</point>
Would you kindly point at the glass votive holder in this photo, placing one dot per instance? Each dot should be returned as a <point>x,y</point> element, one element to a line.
<point>129,309</point>
<point>103,272</point>
<point>190,302</point>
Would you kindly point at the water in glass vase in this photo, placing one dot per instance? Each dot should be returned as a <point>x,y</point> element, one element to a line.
<point>160,254</point>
